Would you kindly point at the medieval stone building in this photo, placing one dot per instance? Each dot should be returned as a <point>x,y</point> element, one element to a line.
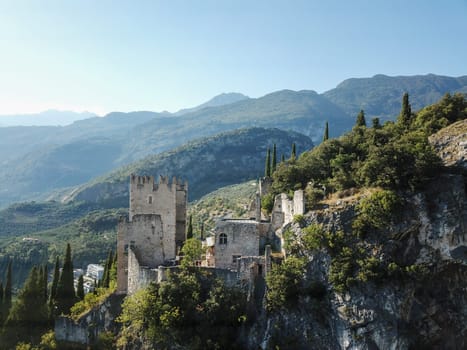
<point>154,231</point>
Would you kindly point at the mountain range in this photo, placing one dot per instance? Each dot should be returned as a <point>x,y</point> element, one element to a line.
<point>38,160</point>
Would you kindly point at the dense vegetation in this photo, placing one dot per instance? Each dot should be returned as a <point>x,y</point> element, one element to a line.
<point>191,309</point>
<point>393,156</point>
<point>92,233</point>
<point>384,165</point>
<point>27,322</point>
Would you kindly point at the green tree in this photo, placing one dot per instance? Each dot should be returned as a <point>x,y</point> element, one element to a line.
<point>53,288</point>
<point>361,119</point>
<point>189,230</point>
<point>106,275</point>
<point>326,132</point>
<point>7,293</point>
<point>293,154</point>
<point>284,283</point>
<point>1,303</point>
<point>28,316</point>
<point>80,288</point>
<point>405,116</point>
<point>267,167</point>
<point>191,250</point>
<point>375,123</point>
<point>65,297</point>
<point>274,159</point>
<point>282,158</point>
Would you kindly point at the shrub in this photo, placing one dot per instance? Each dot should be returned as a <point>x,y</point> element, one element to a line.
<point>284,283</point>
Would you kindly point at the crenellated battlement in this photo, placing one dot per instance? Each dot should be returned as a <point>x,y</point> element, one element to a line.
<point>148,183</point>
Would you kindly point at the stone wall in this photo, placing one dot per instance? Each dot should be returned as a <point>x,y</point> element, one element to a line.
<point>139,276</point>
<point>284,208</point>
<point>86,330</point>
<point>145,236</point>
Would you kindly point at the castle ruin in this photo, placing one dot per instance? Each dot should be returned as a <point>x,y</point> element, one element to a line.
<point>154,231</point>
<point>149,241</point>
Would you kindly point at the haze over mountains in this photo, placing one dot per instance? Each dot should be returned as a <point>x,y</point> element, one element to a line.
<point>41,159</point>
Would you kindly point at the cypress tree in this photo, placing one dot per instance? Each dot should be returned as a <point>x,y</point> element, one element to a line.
<point>80,288</point>
<point>7,292</point>
<point>361,119</point>
<point>326,132</point>
<point>375,123</point>
<point>267,168</point>
<point>282,158</point>
<point>45,281</point>
<point>189,230</point>
<point>1,303</point>
<point>53,289</point>
<point>202,231</point>
<point>405,116</point>
<point>28,317</point>
<point>66,297</point>
<point>293,155</point>
<point>105,282</point>
<point>274,159</point>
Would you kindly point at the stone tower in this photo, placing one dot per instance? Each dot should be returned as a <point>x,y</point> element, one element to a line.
<point>155,228</point>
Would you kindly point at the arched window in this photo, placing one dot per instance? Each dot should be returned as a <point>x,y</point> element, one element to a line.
<point>222,238</point>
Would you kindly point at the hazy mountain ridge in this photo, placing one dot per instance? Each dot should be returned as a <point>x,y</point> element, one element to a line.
<point>46,118</point>
<point>207,164</point>
<point>380,95</point>
<point>56,152</point>
<point>216,101</point>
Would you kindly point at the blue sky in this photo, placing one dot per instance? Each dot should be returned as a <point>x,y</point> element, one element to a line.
<point>101,56</point>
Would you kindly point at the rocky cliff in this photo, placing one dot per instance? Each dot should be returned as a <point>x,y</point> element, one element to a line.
<point>413,296</point>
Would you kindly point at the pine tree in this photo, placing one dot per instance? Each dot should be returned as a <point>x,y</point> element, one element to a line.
<point>65,297</point>
<point>267,168</point>
<point>293,154</point>
<point>80,288</point>
<point>361,119</point>
<point>274,159</point>
<point>326,132</point>
<point>28,316</point>
<point>405,116</point>
<point>189,230</point>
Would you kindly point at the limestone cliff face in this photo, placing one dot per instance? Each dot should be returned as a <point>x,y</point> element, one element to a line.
<point>410,311</point>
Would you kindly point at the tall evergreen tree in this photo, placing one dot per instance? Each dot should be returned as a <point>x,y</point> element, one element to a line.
<point>65,297</point>
<point>274,159</point>
<point>7,293</point>
<point>405,117</point>
<point>326,132</point>
<point>1,303</point>
<point>267,168</point>
<point>53,289</point>
<point>105,282</point>
<point>375,123</point>
<point>80,288</point>
<point>202,231</point>
<point>45,280</point>
<point>282,158</point>
<point>293,154</point>
<point>361,119</point>
<point>28,316</point>
<point>189,230</point>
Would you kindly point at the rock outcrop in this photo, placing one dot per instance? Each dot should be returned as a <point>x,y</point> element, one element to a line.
<point>425,307</point>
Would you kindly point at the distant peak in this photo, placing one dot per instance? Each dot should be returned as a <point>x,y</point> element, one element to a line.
<point>222,99</point>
